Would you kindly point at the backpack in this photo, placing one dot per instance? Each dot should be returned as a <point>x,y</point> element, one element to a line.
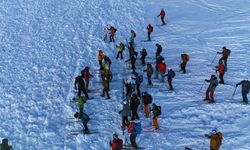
<point>228,52</point>
<point>150,99</point>
<point>131,127</point>
<point>140,78</point>
<point>138,127</point>
<point>158,113</point>
<point>134,34</point>
<point>152,29</point>
<point>115,30</point>
<point>248,85</point>
<point>173,74</point>
<point>119,144</point>
<point>123,46</point>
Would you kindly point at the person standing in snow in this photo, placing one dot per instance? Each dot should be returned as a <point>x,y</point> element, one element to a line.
<point>150,29</point>
<point>112,31</point>
<point>221,69</point>
<point>117,143</point>
<point>170,75</point>
<point>125,113</point>
<point>133,61</point>
<point>156,112</point>
<point>86,75</point>
<point>158,50</point>
<point>133,134</point>
<point>131,49</point>
<point>162,14</point>
<point>105,84</point>
<point>185,59</point>
<point>128,86</point>
<point>80,86</point>
<point>100,58</point>
<point>134,104</point>
<point>120,47</point>
<point>138,80</point>
<point>162,68</point>
<point>143,55</point>
<point>225,53</point>
<point>107,61</point>
<point>211,88</point>
<point>150,72</point>
<point>215,139</point>
<point>132,37</point>
<point>245,88</point>
<point>147,99</point>
<point>85,119</point>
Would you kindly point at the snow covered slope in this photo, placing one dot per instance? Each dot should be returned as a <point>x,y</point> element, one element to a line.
<point>45,44</point>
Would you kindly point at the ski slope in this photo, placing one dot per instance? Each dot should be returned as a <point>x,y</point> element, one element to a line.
<point>45,44</point>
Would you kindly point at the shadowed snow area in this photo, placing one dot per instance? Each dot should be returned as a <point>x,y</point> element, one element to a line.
<point>45,44</point>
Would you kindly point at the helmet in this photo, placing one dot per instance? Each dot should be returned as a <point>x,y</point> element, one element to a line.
<point>115,136</point>
<point>76,115</point>
<point>87,68</point>
<point>224,47</point>
<point>212,76</point>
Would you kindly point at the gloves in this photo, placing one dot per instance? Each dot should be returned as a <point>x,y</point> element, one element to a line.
<point>218,52</point>
<point>236,85</point>
<point>120,112</point>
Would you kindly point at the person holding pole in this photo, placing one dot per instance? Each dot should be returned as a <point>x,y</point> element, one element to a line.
<point>245,87</point>
<point>211,88</point>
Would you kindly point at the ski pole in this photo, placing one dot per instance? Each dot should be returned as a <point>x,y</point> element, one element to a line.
<point>203,144</point>
<point>234,91</point>
<point>213,59</point>
<point>201,87</point>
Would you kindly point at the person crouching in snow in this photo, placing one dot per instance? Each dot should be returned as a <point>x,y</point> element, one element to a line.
<point>85,119</point>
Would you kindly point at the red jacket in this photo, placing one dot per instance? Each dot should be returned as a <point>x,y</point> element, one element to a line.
<point>162,67</point>
<point>162,13</point>
<point>221,68</point>
<point>116,145</point>
<point>150,28</point>
<point>225,53</point>
<point>86,74</point>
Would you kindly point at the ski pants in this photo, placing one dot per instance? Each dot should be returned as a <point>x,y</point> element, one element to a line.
<point>149,80</point>
<point>183,67</point>
<point>133,139</point>
<point>162,20</point>
<point>244,96</point>
<point>134,115</point>
<point>170,83</point>
<point>221,78</point>
<point>119,54</point>
<point>149,38</point>
<point>124,121</point>
<point>155,122</point>
<point>84,92</point>
<point>138,89</point>
<point>210,94</point>
<point>146,110</point>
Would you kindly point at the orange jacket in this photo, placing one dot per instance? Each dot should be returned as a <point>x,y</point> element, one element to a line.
<point>221,68</point>
<point>215,141</point>
<point>150,28</point>
<point>162,13</point>
<point>100,55</point>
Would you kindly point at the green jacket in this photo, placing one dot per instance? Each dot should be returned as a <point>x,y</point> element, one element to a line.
<point>81,101</point>
<point>120,47</point>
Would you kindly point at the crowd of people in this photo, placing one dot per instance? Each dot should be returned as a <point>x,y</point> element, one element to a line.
<point>133,98</point>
